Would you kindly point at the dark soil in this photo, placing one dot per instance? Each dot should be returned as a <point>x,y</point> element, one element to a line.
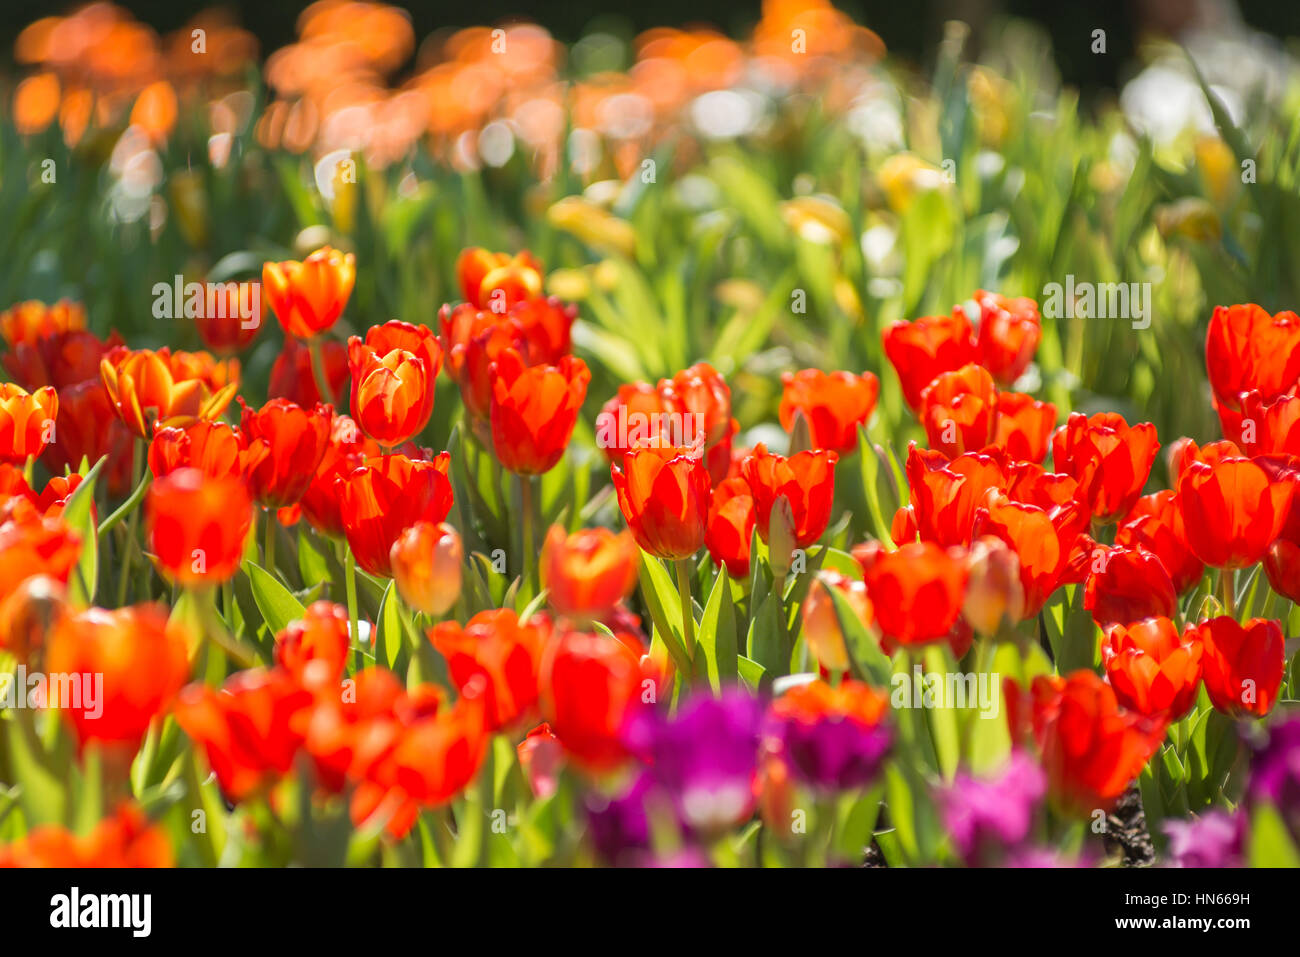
<point>1126,831</point>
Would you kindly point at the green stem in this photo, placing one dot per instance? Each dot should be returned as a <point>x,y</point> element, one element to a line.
<point>350,577</point>
<point>688,613</point>
<point>1227,592</point>
<point>318,369</point>
<point>529,563</point>
<point>128,553</point>
<point>215,630</point>
<point>270,540</point>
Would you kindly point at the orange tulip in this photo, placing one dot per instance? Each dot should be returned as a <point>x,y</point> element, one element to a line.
<point>1153,670</point>
<point>833,404</point>
<point>921,350</point>
<point>821,624</point>
<point>496,281</point>
<point>308,297</point>
<point>1232,510</point>
<point>534,410</point>
<point>663,493</point>
<point>945,493</point>
<point>197,525</point>
<point>504,650</point>
<point>33,544</point>
<point>27,421</point>
<point>589,572</point>
<point>87,427</point>
<point>1043,540</point>
<point>166,388</point>
<point>1024,426</point>
<point>426,560</point>
<point>60,359</point>
<point>314,648</point>
<point>348,449</point>
<point>1246,349</point>
<point>1242,665</point>
<point>29,322</point>
<point>214,448</point>
<point>125,839</point>
<point>729,533</point>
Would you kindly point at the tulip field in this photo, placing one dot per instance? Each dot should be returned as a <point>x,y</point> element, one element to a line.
<point>686,447</point>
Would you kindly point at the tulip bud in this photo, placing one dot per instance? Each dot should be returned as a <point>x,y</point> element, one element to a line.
<point>993,589</point>
<point>821,625</point>
<point>426,561</point>
<point>781,537</point>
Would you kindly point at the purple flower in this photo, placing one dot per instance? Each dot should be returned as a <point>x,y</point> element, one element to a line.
<point>620,825</point>
<point>705,756</point>
<point>990,816</point>
<point>1212,840</point>
<point>834,752</point>
<point>1275,773</point>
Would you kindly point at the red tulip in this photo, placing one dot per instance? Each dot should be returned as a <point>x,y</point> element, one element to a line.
<point>1153,670</point>
<point>1246,350</point>
<point>663,493</point>
<point>503,649</point>
<point>87,427</point>
<point>314,648</point>
<point>61,359</point>
<point>921,350</point>
<point>140,662</point>
<point>590,685</point>
<point>390,493</point>
<point>805,480</point>
<point>917,592</point>
<point>1270,427</point>
<point>821,623</point>
<point>1232,510</point>
<point>1009,331</point>
<point>1242,665</point>
<point>959,410</point>
<point>292,377</point>
<point>945,493</point>
<point>1156,524</point>
<point>730,529</point>
<point>347,450</point>
<point>426,560</point>
<point>1091,748</point>
<point>534,410</point>
<point>214,448</point>
<point>231,318</point>
<point>1127,585</point>
<point>496,281</point>
<point>196,526</point>
<point>393,371</point>
<point>1024,426</point>
<point>28,322</point>
<point>288,443</point>
<point>1041,539</point>
<point>1109,460</point>
<point>833,404</point>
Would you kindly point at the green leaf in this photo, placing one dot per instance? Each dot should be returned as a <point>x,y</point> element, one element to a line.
<point>662,602</point>
<point>717,634</point>
<point>389,645</point>
<point>863,647</point>
<point>274,601</point>
<point>78,514</point>
<point>1270,841</point>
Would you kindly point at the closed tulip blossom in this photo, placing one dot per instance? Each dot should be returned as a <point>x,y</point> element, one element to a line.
<point>588,573</point>
<point>1155,523</point>
<point>589,686</point>
<point>1024,426</point>
<point>1152,668</point>
<point>292,377</point>
<point>314,647</point>
<point>959,410</point>
<point>730,530</point>
<point>833,404</point>
<point>27,421</point>
<point>348,449</point>
<point>1242,664</point>
<point>821,625</point>
<point>1008,335</point>
<point>384,497</point>
<point>1109,459</point>
<point>216,449</point>
<point>289,442</point>
<point>1090,747</point>
<point>534,411</point>
<point>921,350</point>
<point>506,651</point>
<point>143,660</point>
<point>393,371</point>
<point>806,480</point>
<point>196,526</point>
<point>1247,349</point>
<point>945,493</point>
<point>917,592</point>
<point>426,560</point>
<point>1128,584</point>
<point>1043,540</point>
<point>663,493</point>
<point>1270,427</point>
<point>1232,510</point>
<point>994,594</point>
<point>308,296</point>
<point>496,281</point>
